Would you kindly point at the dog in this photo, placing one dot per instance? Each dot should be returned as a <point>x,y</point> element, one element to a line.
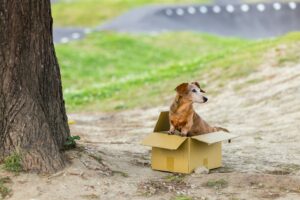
<point>182,116</point>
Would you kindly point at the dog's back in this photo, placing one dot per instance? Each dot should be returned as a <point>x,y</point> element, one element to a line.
<point>200,126</point>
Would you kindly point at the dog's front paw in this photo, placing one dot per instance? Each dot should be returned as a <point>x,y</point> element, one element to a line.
<point>183,134</point>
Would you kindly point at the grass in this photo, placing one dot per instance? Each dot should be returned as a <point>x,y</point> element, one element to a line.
<point>12,163</point>
<point>71,142</point>
<point>94,12</point>
<point>182,197</point>
<point>217,184</point>
<point>110,71</point>
<point>249,82</point>
<point>98,158</point>
<point>174,178</point>
<point>4,190</point>
<point>123,174</point>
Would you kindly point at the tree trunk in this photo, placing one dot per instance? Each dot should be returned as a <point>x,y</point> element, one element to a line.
<point>33,121</point>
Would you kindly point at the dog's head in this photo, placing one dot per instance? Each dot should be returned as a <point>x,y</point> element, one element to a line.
<point>191,92</point>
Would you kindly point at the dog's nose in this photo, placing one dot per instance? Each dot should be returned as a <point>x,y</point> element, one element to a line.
<point>205,99</point>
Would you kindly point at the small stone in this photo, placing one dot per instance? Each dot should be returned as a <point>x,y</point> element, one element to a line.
<point>152,191</point>
<point>201,170</point>
<point>193,186</point>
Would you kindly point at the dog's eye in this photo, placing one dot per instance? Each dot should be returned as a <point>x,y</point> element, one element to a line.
<point>194,90</point>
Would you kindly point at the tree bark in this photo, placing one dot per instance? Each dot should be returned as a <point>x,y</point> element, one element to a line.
<point>33,119</point>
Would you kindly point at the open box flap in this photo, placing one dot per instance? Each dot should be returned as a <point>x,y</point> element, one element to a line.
<point>162,123</point>
<point>214,137</point>
<point>163,140</point>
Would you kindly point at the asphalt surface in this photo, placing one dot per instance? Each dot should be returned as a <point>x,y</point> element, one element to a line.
<point>225,2</point>
<point>252,21</point>
<point>65,35</point>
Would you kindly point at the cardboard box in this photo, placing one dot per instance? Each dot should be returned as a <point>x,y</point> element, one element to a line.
<point>174,153</point>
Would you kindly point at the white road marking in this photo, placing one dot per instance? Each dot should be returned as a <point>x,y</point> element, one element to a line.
<point>261,7</point>
<point>292,5</point>
<point>245,8</point>
<point>75,35</point>
<point>230,8</point>
<point>191,10</point>
<point>180,11</point>
<point>277,6</point>
<point>217,9</point>
<point>169,12</point>
<point>203,9</point>
<point>64,40</point>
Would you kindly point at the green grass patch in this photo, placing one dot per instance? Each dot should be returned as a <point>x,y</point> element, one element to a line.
<point>123,174</point>
<point>247,83</point>
<point>71,142</point>
<point>94,12</point>
<point>217,184</point>
<point>289,59</point>
<point>174,178</point>
<point>4,190</point>
<point>182,197</point>
<point>110,71</point>
<point>12,163</point>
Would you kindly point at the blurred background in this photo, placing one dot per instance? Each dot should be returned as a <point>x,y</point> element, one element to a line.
<point>120,62</point>
<point>124,54</point>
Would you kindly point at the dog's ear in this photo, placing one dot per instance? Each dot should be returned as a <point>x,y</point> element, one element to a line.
<point>182,88</point>
<point>198,85</point>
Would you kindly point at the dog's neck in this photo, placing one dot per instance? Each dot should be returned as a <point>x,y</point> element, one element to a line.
<point>182,105</point>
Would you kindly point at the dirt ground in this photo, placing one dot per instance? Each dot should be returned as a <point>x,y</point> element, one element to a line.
<point>262,163</point>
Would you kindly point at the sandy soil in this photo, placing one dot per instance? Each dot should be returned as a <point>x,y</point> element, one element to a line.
<point>262,163</point>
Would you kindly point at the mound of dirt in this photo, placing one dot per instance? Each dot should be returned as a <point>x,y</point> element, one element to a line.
<point>262,163</point>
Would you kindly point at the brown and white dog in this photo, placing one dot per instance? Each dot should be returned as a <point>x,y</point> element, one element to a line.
<point>182,116</point>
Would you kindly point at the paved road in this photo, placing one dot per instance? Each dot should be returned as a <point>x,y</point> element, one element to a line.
<point>67,34</point>
<point>225,2</point>
<point>236,19</point>
<point>64,35</point>
<point>241,20</point>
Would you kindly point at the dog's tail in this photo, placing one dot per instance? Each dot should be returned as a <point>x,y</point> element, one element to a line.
<point>221,129</point>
